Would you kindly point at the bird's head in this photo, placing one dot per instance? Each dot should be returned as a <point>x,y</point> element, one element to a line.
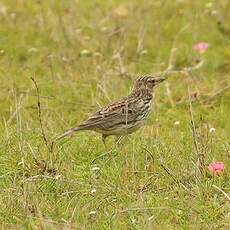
<point>148,82</point>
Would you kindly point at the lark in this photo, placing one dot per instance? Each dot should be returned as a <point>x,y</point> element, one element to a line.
<point>124,116</point>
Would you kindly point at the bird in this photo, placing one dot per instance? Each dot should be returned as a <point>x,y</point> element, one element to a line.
<point>124,116</point>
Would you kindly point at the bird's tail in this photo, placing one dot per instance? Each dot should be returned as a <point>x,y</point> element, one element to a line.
<point>68,132</point>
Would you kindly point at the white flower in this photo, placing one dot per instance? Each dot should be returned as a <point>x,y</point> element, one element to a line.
<point>93,191</point>
<point>95,168</point>
<point>57,177</point>
<point>92,213</point>
<point>176,122</point>
<point>212,130</point>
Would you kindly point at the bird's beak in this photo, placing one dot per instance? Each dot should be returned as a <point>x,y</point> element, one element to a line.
<point>159,80</point>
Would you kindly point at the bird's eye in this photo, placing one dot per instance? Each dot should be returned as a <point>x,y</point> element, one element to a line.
<point>151,80</point>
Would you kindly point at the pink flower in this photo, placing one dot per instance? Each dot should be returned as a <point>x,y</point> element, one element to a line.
<point>216,168</point>
<point>201,47</point>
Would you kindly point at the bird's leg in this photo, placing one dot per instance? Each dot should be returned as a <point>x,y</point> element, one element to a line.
<point>118,139</point>
<point>103,139</point>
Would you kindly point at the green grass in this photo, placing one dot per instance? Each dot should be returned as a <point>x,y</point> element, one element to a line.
<point>70,48</point>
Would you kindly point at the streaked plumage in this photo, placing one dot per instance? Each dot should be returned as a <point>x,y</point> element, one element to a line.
<point>124,116</point>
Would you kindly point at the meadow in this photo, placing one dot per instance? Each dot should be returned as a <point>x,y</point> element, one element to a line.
<point>62,60</point>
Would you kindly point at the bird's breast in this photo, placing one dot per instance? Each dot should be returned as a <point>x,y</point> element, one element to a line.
<point>144,109</point>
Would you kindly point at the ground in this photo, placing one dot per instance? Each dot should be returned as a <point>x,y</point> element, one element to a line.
<point>83,55</point>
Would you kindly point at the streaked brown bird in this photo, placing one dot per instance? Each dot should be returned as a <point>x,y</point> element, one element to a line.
<point>124,116</point>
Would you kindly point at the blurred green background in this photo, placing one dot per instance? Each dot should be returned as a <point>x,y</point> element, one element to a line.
<point>83,55</point>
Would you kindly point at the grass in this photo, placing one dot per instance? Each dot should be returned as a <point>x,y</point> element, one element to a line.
<point>84,54</point>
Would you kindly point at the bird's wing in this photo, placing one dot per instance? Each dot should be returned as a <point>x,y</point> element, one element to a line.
<point>117,113</point>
